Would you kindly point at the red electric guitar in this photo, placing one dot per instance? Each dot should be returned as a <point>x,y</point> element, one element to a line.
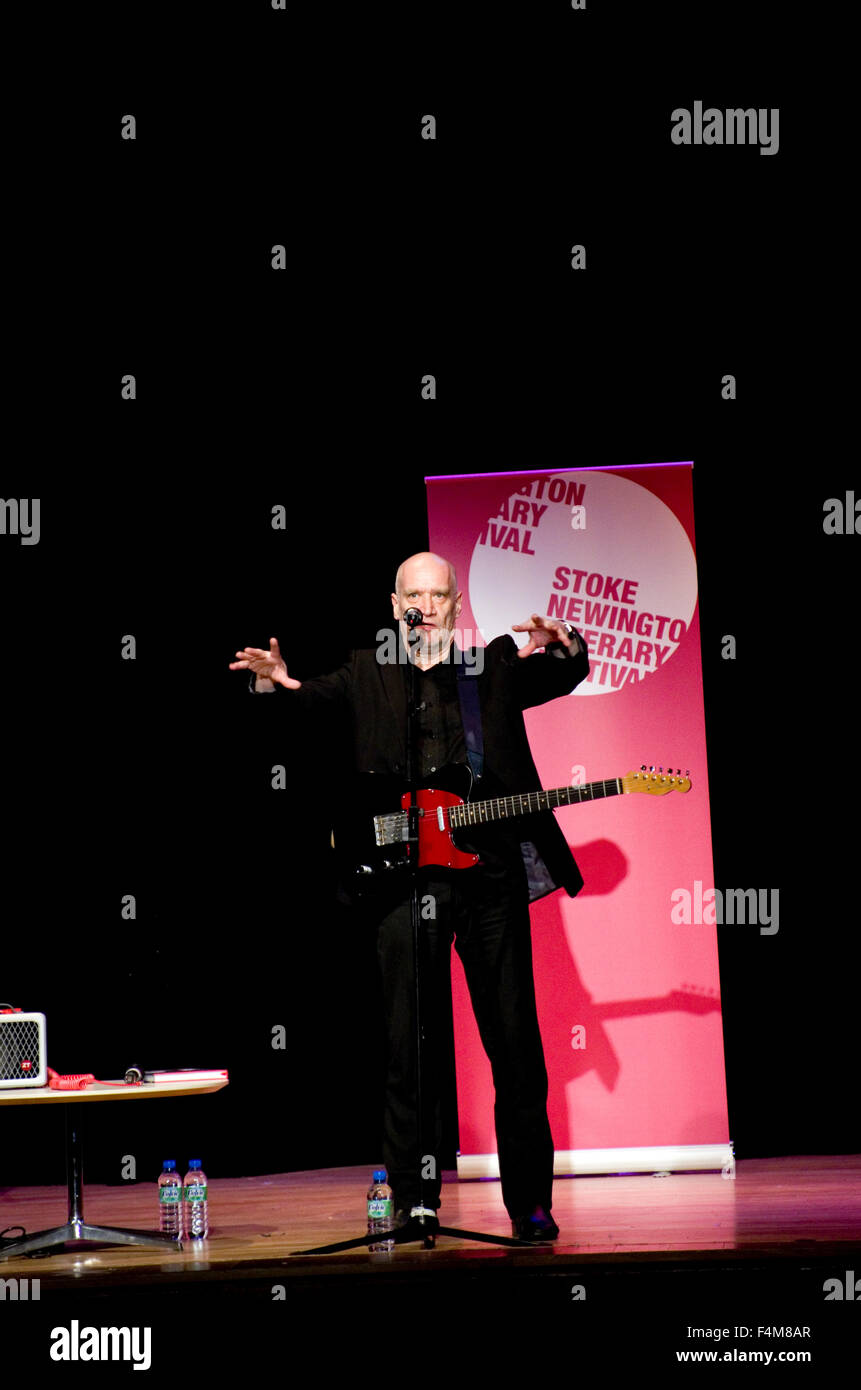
<point>389,841</point>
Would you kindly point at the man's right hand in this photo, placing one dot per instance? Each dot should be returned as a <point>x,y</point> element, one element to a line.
<point>265,665</point>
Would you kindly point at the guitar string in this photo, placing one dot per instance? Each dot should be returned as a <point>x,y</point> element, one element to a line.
<point>503,804</point>
<point>471,813</point>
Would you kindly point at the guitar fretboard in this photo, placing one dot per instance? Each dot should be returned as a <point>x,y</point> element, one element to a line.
<point>525,804</point>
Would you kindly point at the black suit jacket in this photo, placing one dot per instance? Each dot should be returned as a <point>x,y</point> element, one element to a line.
<point>371,694</point>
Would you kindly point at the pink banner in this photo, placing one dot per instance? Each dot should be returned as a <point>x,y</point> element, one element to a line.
<point>627,972</point>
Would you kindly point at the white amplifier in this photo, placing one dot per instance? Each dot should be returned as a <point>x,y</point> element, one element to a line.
<point>23,1055</point>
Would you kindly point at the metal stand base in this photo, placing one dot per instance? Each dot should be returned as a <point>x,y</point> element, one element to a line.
<point>414,1230</point>
<point>76,1228</point>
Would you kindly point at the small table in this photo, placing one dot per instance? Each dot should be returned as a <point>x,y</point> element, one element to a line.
<point>76,1228</point>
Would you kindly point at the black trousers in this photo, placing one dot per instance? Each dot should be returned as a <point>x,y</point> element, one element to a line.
<point>485,912</point>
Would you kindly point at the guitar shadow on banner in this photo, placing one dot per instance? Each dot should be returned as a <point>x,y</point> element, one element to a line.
<point>563,999</point>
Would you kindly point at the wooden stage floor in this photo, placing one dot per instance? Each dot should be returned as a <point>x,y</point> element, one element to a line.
<point>774,1207</point>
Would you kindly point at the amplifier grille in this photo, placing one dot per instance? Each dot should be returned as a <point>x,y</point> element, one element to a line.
<point>22,1050</point>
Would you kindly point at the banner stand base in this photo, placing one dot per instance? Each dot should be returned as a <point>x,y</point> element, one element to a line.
<point>660,1160</point>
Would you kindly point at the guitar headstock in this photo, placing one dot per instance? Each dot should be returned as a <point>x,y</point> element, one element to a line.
<point>656,781</point>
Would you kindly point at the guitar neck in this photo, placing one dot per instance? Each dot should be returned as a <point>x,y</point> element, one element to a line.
<point>497,808</point>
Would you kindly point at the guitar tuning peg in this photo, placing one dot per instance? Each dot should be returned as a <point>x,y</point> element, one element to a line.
<point>652,767</point>
<point>642,767</point>
<point>660,769</point>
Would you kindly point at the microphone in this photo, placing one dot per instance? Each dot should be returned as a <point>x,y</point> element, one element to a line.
<point>413,617</point>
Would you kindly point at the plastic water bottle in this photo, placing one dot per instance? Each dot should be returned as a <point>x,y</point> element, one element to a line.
<point>381,1213</point>
<point>170,1200</point>
<point>194,1202</point>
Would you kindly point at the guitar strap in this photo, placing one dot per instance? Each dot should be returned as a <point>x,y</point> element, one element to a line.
<point>470,709</point>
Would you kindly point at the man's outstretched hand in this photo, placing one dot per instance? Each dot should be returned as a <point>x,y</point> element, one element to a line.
<point>541,631</point>
<point>265,665</point>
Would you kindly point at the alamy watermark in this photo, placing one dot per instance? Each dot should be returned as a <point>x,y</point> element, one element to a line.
<point>464,651</point>
<point>731,127</point>
<point>849,1289</point>
<point>842,518</point>
<point>76,1343</point>
<point>742,906</point>
<point>20,1290</point>
<point>20,516</point>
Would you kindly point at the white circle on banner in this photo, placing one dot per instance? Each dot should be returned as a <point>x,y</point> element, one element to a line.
<point>596,550</point>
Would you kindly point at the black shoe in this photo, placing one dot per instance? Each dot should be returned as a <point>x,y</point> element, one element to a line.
<point>538,1227</point>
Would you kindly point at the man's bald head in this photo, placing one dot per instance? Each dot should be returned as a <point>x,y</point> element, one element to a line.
<point>420,561</point>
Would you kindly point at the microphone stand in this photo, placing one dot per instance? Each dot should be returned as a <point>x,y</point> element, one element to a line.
<point>416,1227</point>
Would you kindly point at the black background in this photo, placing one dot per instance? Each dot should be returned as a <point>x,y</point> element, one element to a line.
<point>302,388</point>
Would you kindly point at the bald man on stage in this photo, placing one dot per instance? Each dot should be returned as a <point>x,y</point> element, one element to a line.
<point>483,909</point>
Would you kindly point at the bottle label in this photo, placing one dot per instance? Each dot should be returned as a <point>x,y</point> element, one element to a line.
<point>195,1192</point>
<point>379,1208</point>
<point>167,1195</point>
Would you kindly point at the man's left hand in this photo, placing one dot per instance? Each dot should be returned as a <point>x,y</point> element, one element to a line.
<point>541,631</point>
